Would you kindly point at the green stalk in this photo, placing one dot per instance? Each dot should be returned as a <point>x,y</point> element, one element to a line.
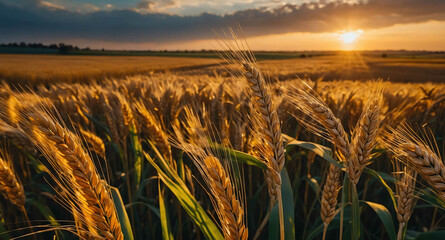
<point>355,213</point>
<point>344,193</point>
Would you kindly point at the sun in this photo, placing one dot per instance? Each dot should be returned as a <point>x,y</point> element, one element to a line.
<point>350,37</point>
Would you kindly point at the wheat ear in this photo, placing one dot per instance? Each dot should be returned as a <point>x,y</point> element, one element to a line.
<point>266,119</point>
<point>230,209</point>
<point>108,112</point>
<point>270,124</point>
<point>10,186</point>
<point>154,129</point>
<point>406,199</point>
<point>364,139</point>
<point>193,138</point>
<point>79,165</point>
<point>17,137</point>
<point>406,145</point>
<point>271,128</point>
<point>329,196</point>
<point>313,107</point>
<point>333,131</point>
<point>95,142</point>
<point>428,165</point>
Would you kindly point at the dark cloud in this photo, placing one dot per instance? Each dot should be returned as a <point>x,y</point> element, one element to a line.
<point>146,4</point>
<point>34,22</point>
<point>154,6</point>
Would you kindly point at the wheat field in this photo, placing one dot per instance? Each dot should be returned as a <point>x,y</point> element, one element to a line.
<point>237,149</point>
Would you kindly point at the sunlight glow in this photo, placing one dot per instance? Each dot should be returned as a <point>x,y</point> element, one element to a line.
<point>350,36</point>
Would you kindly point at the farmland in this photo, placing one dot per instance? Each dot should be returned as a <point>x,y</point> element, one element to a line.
<point>148,147</point>
<point>397,67</point>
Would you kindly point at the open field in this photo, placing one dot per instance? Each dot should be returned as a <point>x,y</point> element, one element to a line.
<point>137,147</point>
<point>45,68</point>
<point>356,66</point>
<point>21,68</point>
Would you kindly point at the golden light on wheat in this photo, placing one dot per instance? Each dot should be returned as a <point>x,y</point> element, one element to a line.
<point>237,150</point>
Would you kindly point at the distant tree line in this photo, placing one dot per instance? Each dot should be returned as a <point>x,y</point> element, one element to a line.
<point>62,47</point>
<point>65,48</point>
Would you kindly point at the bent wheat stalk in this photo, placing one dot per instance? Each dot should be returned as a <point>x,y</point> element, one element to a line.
<point>405,144</point>
<point>428,164</point>
<point>65,153</point>
<point>316,109</point>
<point>193,139</point>
<point>333,131</point>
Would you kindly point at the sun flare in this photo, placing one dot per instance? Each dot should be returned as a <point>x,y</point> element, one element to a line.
<point>350,36</point>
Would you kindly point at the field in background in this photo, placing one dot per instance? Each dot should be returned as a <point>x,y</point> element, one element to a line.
<point>49,68</point>
<point>397,66</point>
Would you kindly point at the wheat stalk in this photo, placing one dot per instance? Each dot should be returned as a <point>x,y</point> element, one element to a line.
<point>152,126</point>
<point>194,141</point>
<point>129,119</point>
<point>364,138</point>
<point>266,121</point>
<point>329,196</point>
<point>333,130</point>
<point>408,146</point>
<point>229,207</point>
<point>10,187</point>
<point>17,137</point>
<point>428,164</point>
<point>271,131</point>
<point>405,192</point>
<point>271,127</point>
<point>95,142</point>
<point>117,111</point>
<point>108,112</point>
<point>70,158</point>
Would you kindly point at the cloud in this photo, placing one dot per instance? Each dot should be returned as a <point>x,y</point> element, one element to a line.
<point>146,4</point>
<point>155,5</point>
<point>35,22</point>
<point>51,5</point>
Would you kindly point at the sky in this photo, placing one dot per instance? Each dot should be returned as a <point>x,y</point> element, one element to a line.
<point>195,24</point>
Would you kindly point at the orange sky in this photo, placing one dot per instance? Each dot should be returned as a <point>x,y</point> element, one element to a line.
<point>187,24</point>
<point>419,36</point>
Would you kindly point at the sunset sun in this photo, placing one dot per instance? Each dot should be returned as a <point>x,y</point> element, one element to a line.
<point>350,37</point>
